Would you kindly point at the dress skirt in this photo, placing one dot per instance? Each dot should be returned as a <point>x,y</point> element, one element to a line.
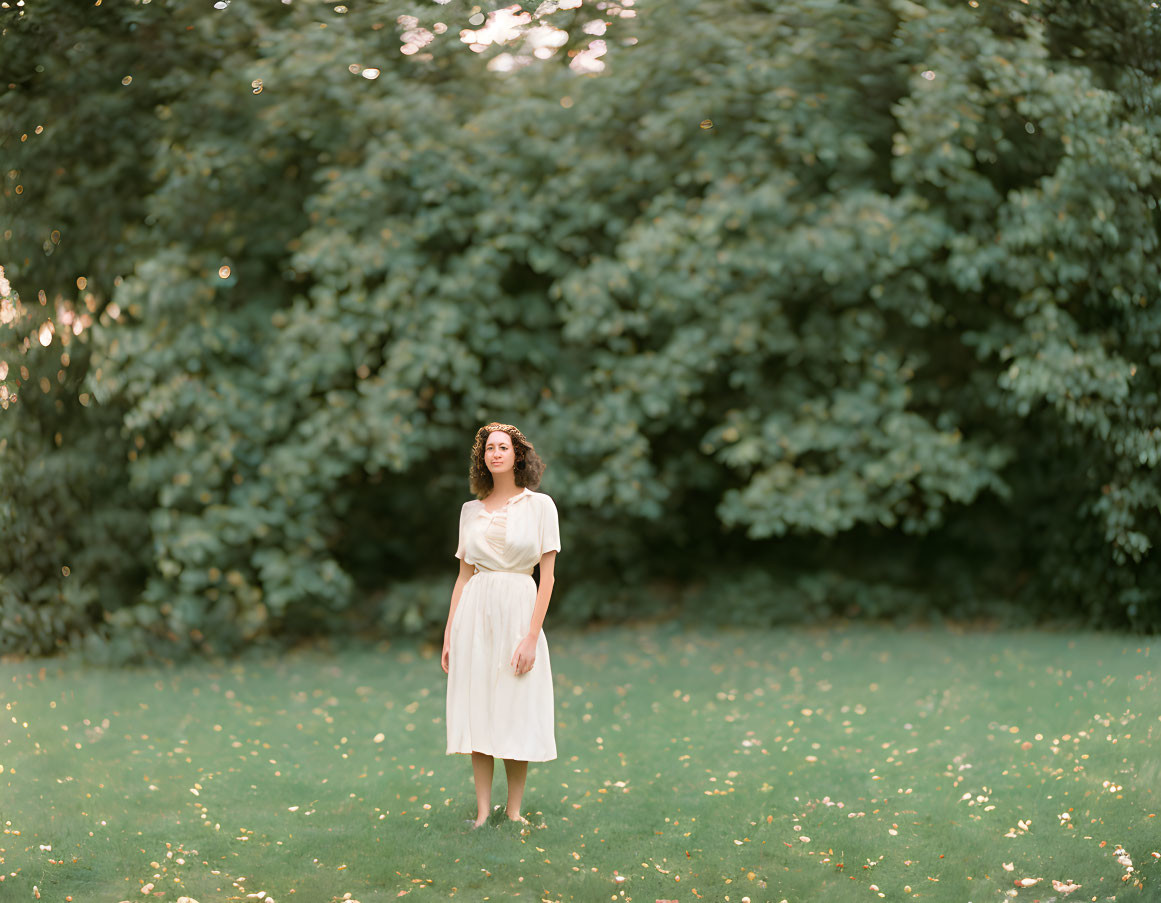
<point>489,708</point>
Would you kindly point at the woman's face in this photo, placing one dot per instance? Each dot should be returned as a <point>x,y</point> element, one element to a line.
<point>499,454</point>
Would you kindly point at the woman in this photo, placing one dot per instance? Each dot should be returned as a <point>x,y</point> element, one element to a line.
<point>499,689</point>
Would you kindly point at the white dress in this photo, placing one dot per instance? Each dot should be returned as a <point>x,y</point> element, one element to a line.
<point>489,708</point>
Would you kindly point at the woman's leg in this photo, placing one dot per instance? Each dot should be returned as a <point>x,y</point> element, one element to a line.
<point>517,771</point>
<point>482,772</point>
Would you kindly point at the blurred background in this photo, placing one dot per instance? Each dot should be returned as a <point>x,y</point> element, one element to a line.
<point>815,309</point>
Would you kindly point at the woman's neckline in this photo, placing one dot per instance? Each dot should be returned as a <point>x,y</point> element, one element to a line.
<point>506,504</point>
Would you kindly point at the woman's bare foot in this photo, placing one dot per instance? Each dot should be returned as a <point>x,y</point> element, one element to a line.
<point>517,818</point>
<point>479,821</point>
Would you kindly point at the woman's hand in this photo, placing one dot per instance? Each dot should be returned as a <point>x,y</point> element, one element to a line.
<point>445,659</point>
<point>525,655</point>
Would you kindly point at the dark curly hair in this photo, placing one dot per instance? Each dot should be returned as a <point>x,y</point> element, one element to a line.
<point>528,468</point>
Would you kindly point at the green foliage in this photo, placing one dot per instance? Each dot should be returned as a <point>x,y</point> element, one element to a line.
<point>876,280</point>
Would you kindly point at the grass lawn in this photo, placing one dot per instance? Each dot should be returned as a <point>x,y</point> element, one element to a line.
<point>852,763</point>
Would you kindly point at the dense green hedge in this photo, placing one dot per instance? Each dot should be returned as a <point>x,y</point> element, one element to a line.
<point>813,307</point>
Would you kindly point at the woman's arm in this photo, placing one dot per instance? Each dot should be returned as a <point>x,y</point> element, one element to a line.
<point>467,571</point>
<point>525,655</point>
<point>543,594</point>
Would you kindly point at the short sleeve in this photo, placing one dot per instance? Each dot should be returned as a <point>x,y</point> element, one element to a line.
<point>549,526</point>
<point>460,551</point>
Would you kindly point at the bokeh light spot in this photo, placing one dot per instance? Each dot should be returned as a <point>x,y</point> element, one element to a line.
<point>587,60</point>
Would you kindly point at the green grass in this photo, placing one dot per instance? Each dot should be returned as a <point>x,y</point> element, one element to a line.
<point>694,764</point>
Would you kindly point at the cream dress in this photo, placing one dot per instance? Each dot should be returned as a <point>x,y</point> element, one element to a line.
<point>489,708</point>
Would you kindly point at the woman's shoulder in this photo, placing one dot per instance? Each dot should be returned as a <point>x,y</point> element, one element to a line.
<point>543,498</point>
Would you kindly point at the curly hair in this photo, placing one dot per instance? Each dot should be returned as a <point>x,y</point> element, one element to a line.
<point>528,468</point>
